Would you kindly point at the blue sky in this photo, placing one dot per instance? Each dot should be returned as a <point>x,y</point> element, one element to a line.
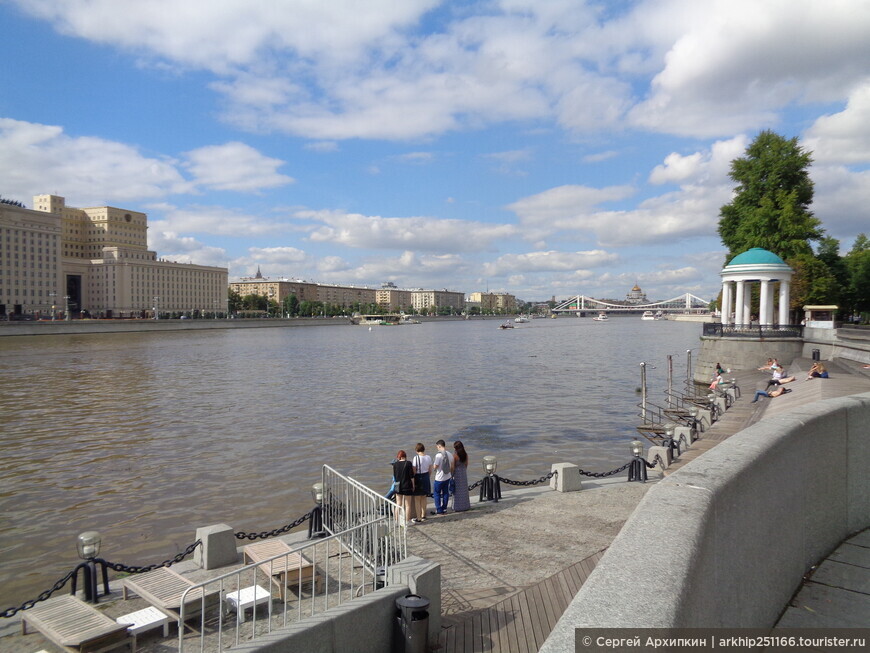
<point>538,147</point>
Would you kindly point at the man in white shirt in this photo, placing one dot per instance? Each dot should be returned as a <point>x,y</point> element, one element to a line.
<point>444,465</point>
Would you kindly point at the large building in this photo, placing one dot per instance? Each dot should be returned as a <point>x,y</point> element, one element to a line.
<point>94,262</point>
<point>388,296</point>
<point>493,302</point>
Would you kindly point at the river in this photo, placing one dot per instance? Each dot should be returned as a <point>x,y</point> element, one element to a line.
<point>146,436</point>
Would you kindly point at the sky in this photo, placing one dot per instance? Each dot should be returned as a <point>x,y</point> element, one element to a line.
<point>537,147</point>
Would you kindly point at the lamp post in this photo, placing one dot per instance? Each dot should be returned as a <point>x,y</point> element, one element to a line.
<point>156,313</point>
<point>490,487</point>
<point>88,546</point>
<point>53,295</point>
<point>66,299</point>
<point>637,468</point>
<point>315,517</point>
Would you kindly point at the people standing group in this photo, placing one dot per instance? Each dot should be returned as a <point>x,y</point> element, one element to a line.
<point>412,480</point>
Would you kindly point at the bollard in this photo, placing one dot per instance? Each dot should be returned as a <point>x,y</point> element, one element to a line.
<point>567,479</point>
<point>662,452</point>
<point>685,431</point>
<point>218,548</point>
<point>412,624</point>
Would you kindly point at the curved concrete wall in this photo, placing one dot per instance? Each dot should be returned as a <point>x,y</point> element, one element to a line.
<point>725,541</point>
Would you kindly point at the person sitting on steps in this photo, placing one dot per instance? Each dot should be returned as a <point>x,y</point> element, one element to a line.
<point>773,393</point>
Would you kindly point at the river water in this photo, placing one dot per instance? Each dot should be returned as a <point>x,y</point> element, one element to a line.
<point>144,437</point>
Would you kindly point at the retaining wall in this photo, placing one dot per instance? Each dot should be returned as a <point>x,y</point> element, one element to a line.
<point>364,625</point>
<point>726,540</point>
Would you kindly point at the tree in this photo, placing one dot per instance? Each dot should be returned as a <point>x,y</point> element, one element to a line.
<point>291,305</point>
<point>234,301</point>
<point>858,263</point>
<point>770,208</point>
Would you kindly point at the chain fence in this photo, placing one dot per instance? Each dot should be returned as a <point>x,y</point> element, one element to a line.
<point>116,566</point>
<point>133,569</point>
<point>242,535</point>
<point>613,472</point>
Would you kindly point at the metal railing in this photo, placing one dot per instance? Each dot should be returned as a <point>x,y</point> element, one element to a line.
<point>348,504</point>
<point>717,329</point>
<point>364,536</point>
<point>312,577</point>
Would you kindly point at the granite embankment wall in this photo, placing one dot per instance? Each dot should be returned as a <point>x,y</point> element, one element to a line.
<point>749,353</point>
<point>726,540</point>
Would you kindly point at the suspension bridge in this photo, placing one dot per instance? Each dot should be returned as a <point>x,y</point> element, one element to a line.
<point>682,304</point>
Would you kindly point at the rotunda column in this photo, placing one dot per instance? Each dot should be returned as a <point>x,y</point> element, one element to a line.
<point>765,309</point>
<point>739,304</point>
<point>784,301</point>
<point>726,303</point>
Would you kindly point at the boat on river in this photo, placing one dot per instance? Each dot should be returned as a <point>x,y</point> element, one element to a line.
<point>388,319</point>
<point>506,325</point>
<point>602,317</point>
<point>521,319</point>
<point>648,315</point>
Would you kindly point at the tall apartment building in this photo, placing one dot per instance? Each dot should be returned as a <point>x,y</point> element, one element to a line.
<point>94,261</point>
<point>394,299</point>
<point>496,302</point>
<point>389,297</point>
<point>424,300</point>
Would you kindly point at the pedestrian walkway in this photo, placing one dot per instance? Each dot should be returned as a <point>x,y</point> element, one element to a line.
<point>522,622</point>
<point>836,594</point>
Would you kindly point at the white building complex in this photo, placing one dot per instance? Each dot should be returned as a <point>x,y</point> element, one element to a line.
<point>94,262</point>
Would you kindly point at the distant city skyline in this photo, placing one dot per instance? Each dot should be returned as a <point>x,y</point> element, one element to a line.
<point>535,148</point>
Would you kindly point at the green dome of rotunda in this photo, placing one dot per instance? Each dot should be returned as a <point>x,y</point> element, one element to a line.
<point>756,256</point>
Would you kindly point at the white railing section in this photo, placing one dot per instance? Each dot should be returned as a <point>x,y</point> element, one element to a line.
<point>347,503</point>
<point>364,538</point>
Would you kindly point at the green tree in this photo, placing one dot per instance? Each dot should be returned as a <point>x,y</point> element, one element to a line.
<point>234,301</point>
<point>858,263</point>
<point>291,305</point>
<point>770,208</point>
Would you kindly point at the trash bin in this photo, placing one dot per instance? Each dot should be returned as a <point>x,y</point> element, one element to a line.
<point>412,624</point>
<point>816,355</point>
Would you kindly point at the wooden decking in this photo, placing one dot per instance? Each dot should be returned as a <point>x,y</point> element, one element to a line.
<point>520,623</point>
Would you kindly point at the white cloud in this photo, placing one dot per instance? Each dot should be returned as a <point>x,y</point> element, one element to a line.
<point>37,158</point>
<point>551,261</point>
<point>418,233</point>
<point>843,137</point>
<point>736,68</point>
<point>566,207</point>
<point>234,166</point>
<point>213,220</point>
<point>185,249</point>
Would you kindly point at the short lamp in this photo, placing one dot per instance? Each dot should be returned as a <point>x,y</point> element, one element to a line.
<point>637,448</point>
<point>489,464</point>
<point>694,412</point>
<point>669,431</point>
<point>317,493</point>
<point>88,545</point>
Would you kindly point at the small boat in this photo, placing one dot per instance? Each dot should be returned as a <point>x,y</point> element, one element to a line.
<point>506,325</point>
<point>602,317</point>
<point>521,319</point>
<point>407,319</point>
<point>390,319</point>
<point>648,315</point>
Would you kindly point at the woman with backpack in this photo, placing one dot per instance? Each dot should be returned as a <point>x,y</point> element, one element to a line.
<point>403,475</point>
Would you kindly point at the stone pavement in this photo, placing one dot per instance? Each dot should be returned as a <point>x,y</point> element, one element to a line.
<point>496,549</point>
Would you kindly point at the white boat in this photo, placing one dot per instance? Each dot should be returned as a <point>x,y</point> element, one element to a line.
<point>389,319</point>
<point>407,319</point>
<point>648,315</point>
<point>602,317</point>
<point>521,319</point>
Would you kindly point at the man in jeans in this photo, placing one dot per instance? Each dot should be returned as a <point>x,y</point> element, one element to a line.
<point>444,466</point>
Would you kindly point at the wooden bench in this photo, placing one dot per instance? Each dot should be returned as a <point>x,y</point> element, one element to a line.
<point>75,626</point>
<point>291,569</point>
<point>163,588</point>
